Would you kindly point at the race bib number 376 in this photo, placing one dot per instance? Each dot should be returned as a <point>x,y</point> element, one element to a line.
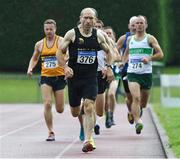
<point>86,57</point>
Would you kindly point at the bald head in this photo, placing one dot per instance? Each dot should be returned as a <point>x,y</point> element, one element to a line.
<point>143,18</point>
<point>89,10</point>
<point>131,25</point>
<point>88,18</point>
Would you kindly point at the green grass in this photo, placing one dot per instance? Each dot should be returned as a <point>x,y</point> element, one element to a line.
<point>170,119</point>
<point>171,70</point>
<point>19,91</point>
<point>18,88</point>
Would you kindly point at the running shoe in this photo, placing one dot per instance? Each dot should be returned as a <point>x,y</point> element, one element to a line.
<point>81,135</point>
<point>51,137</point>
<point>130,118</point>
<point>112,119</point>
<point>97,129</point>
<point>93,143</point>
<point>112,122</point>
<point>87,146</point>
<point>108,123</point>
<point>139,127</point>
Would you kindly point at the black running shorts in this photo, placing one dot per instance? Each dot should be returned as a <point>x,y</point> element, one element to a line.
<point>85,88</point>
<point>57,83</point>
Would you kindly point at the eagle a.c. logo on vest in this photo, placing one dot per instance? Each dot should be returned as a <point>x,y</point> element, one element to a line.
<point>81,41</point>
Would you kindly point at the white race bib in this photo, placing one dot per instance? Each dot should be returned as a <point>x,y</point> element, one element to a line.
<point>50,62</point>
<point>86,57</point>
<point>136,64</point>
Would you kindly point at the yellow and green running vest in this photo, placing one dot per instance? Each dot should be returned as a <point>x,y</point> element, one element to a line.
<point>49,64</point>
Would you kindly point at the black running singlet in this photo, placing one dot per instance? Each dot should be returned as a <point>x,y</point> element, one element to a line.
<point>83,55</point>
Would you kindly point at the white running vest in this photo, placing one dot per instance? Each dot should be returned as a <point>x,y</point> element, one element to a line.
<point>101,55</point>
<point>138,50</point>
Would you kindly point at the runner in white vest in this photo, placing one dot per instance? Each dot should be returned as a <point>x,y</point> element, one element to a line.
<point>142,49</point>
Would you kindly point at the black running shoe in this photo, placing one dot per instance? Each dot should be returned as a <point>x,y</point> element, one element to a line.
<point>112,119</point>
<point>108,120</point>
<point>97,129</point>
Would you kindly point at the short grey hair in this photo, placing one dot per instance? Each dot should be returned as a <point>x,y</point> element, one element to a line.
<point>132,19</point>
<point>88,8</point>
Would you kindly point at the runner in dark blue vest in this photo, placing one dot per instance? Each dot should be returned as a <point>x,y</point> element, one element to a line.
<point>121,46</point>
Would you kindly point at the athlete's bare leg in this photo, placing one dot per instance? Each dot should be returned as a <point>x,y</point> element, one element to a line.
<point>47,100</point>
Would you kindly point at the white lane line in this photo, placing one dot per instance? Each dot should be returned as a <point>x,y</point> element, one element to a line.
<point>67,148</point>
<point>22,128</point>
<point>27,126</point>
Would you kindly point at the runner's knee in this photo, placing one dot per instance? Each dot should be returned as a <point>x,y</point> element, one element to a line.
<point>112,95</point>
<point>47,104</point>
<point>100,114</point>
<point>136,99</point>
<point>143,104</point>
<point>75,111</point>
<point>128,99</point>
<point>88,106</point>
<point>74,114</point>
<point>59,108</point>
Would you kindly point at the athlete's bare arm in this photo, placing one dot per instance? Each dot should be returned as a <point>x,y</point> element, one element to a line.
<point>62,51</point>
<point>104,46</point>
<point>120,42</point>
<point>158,51</point>
<point>125,56</point>
<point>35,57</point>
<point>66,56</point>
<point>116,54</point>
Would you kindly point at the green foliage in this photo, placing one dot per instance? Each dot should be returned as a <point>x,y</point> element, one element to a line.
<point>22,23</point>
<point>163,34</point>
<point>174,31</point>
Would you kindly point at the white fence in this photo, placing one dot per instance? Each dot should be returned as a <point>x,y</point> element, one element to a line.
<point>170,90</point>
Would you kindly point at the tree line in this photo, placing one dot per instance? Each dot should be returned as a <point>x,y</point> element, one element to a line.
<point>22,24</point>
